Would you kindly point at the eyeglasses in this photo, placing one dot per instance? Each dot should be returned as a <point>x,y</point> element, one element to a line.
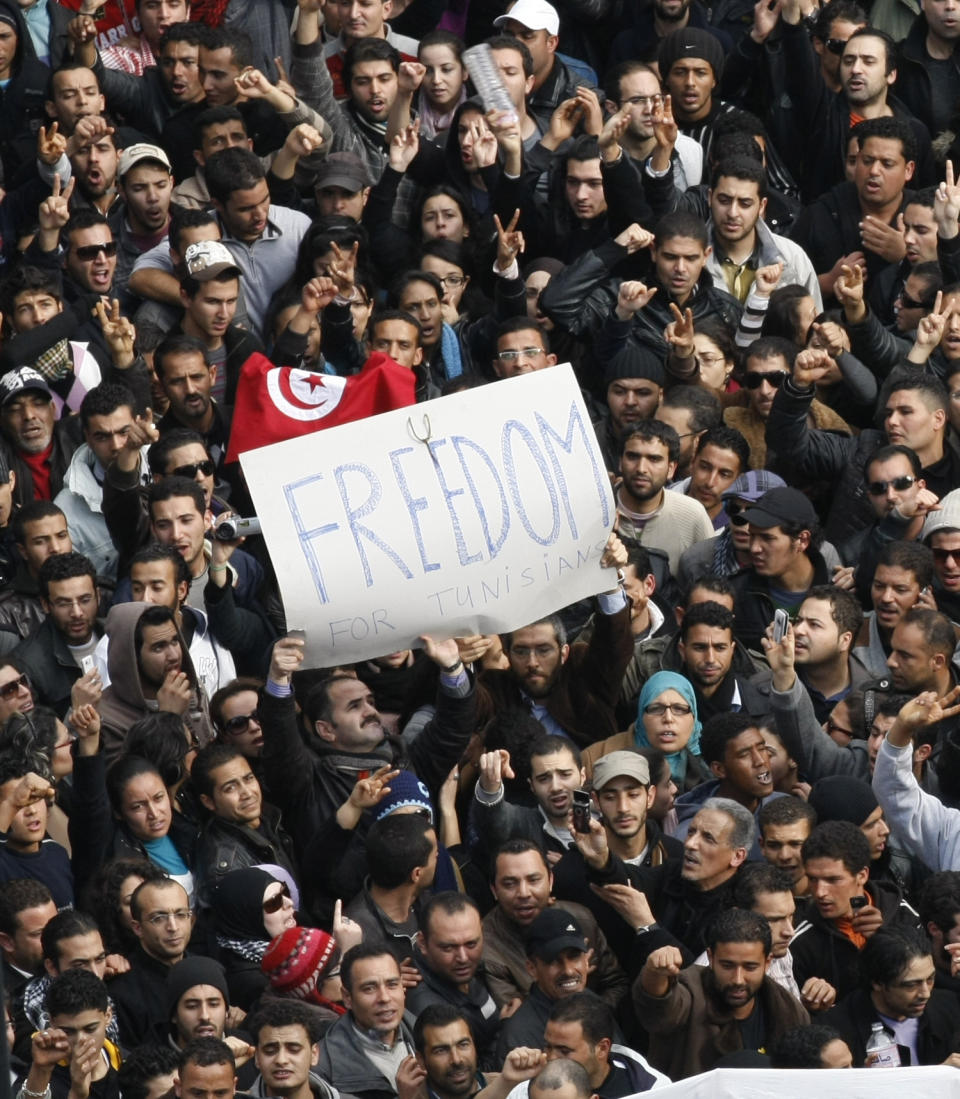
<point>642,101</point>
<point>10,690</point>
<point>753,379</point>
<point>901,484</point>
<point>206,467</point>
<point>158,919</point>
<point>275,903</point>
<point>515,356</point>
<point>239,724</point>
<point>735,510</point>
<point>91,251</point>
<point>942,556</point>
<point>658,709</point>
<point>453,282</point>
<point>836,45</point>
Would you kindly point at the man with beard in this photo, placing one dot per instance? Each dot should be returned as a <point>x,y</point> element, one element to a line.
<point>731,1004</point>
<point>636,85</point>
<point>571,690</point>
<point>897,989</point>
<point>824,630</point>
<point>649,514</point>
<point>446,1052</point>
<point>707,649</point>
<point>652,23</point>
<point>740,238</point>
<point>635,379</point>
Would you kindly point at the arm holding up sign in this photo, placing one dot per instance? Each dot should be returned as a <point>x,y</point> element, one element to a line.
<point>435,750</point>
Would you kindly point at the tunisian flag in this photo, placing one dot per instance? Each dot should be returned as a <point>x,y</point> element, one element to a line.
<point>279,402</point>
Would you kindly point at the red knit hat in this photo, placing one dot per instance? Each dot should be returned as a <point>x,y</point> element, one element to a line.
<point>296,959</point>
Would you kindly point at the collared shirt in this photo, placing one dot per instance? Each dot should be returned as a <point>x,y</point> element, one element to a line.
<point>739,277</point>
<point>269,261</point>
<point>37,18</point>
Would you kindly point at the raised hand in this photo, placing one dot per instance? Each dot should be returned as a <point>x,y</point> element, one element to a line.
<point>613,129</point>
<point>252,84</point>
<point>31,788</point>
<point>410,77</point>
<point>485,145</point>
<point>411,1077</point>
<point>286,658</point>
<point>766,15</point>
<point>443,652</point>
<point>930,328</point>
<point>317,294</point>
<point>54,211</point>
<point>633,238</point>
<point>303,140</point>
<point>87,131</point>
<point>780,657</point>
<point>679,332</point>
<point>946,205</point>
<point>51,144</point>
<point>927,709</point>
<point>811,366</point>
<point>81,29</point>
<point>343,270</point>
<point>631,298</point>
<point>118,331</point>
<point>405,146</point>
<point>592,111</point>
<point>347,932</point>
<point>628,901</point>
<point>848,290</point>
<point>768,278</point>
<point>370,791</point>
<point>564,121</point>
<point>494,768</point>
<point>522,1063</point>
<point>665,128</point>
<point>510,242</point>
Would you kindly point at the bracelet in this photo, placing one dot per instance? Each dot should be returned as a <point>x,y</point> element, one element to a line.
<point>217,568</point>
<point>24,1090</point>
<point>453,667</point>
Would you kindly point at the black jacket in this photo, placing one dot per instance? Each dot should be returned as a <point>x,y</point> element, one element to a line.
<point>53,671</point>
<point>914,87</point>
<point>820,950</point>
<point>939,1032</point>
<point>140,999</point>
<point>754,605</point>
<point>22,110</point>
<point>225,845</point>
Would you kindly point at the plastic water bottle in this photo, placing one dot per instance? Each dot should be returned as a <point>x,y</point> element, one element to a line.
<point>882,1045</point>
<point>487,80</point>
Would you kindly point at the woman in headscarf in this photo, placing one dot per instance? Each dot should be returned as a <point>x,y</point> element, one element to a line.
<point>667,720</point>
<point>250,907</point>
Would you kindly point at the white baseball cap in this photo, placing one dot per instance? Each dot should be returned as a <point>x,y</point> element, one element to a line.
<point>535,15</point>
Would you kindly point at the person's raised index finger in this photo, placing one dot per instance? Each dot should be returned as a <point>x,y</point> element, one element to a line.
<point>69,190</point>
<point>513,221</point>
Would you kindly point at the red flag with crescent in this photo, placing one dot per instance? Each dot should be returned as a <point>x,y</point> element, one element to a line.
<point>281,402</point>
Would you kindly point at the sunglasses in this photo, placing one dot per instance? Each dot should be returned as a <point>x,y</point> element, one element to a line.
<point>735,510</point>
<point>275,903</point>
<point>239,724</point>
<point>206,467</point>
<point>753,379</point>
<point>91,251</point>
<point>906,302</point>
<point>836,45</point>
<point>10,690</point>
<point>942,556</point>
<point>901,484</point>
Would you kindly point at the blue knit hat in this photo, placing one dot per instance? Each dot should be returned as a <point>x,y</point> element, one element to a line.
<point>406,791</point>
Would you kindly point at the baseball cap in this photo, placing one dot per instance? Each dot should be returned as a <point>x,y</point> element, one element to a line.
<point>19,381</point>
<point>344,170</point>
<point>535,15</point>
<point>132,156</point>
<point>552,931</point>
<point>781,505</point>
<point>619,764</point>
<point>207,259</point>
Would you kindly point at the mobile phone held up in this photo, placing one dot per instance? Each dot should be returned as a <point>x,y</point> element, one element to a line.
<point>780,623</point>
<point>581,811</point>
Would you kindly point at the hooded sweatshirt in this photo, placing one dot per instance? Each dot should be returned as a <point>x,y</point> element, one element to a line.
<point>22,110</point>
<point>123,702</point>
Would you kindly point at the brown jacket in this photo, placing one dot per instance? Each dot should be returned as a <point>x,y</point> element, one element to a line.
<point>505,960</point>
<point>689,1032</point>
<point>584,700</point>
<point>753,428</point>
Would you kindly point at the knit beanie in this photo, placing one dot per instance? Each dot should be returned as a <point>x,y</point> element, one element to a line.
<point>636,360</point>
<point>840,797</point>
<point>296,959</point>
<point>193,971</point>
<point>691,42</point>
<point>406,791</point>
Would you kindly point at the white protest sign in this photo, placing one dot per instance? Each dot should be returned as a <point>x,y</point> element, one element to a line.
<point>499,518</point>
